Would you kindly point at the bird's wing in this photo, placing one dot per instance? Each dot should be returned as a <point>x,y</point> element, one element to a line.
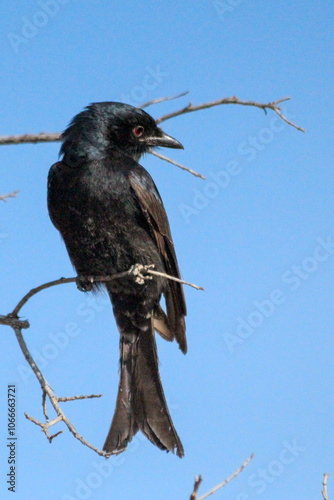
<point>154,212</point>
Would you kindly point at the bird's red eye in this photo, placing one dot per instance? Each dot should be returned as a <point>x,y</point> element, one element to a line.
<point>138,131</point>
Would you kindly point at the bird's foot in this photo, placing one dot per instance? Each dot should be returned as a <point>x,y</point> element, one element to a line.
<point>139,272</point>
<point>84,283</point>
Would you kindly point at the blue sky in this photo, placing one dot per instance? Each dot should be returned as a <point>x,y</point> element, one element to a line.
<point>258,235</point>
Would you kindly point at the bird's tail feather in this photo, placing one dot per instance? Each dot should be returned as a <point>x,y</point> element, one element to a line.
<point>141,402</point>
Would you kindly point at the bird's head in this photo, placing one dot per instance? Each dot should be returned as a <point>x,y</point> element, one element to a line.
<point>106,126</point>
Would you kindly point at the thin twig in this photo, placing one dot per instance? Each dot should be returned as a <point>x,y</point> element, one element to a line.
<point>228,480</point>
<point>324,483</point>
<point>44,406</point>
<point>4,197</point>
<point>55,435</point>
<point>45,427</point>
<point>76,398</point>
<point>232,100</point>
<point>157,273</point>
<point>165,158</point>
<point>36,290</point>
<point>163,99</point>
<point>198,480</point>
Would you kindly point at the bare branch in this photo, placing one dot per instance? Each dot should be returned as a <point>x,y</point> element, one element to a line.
<point>6,140</point>
<point>232,100</point>
<point>76,398</point>
<point>44,406</point>
<point>163,99</point>
<point>324,483</point>
<point>134,270</point>
<point>221,485</point>
<point>55,136</point>
<point>55,435</point>
<point>54,400</point>
<point>165,158</point>
<point>198,480</point>
<point>13,322</point>
<point>17,326</point>
<point>4,197</point>
<point>157,273</point>
<point>45,427</point>
<point>36,290</point>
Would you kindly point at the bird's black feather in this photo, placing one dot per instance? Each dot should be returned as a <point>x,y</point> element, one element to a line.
<point>110,215</point>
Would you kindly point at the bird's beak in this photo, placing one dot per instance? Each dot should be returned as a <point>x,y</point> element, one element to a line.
<point>163,140</point>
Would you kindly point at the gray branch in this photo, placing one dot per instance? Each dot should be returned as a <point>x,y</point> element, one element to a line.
<point>55,136</point>
<point>198,481</point>
<point>274,106</point>
<point>140,273</point>
<point>324,484</point>
<point>4,197</point>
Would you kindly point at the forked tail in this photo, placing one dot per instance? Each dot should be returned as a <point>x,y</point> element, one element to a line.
<point>141,403</point>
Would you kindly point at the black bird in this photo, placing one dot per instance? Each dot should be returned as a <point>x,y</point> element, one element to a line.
<point>110,215</point>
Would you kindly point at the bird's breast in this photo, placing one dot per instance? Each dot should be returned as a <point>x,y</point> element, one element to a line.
<point>101,222</point>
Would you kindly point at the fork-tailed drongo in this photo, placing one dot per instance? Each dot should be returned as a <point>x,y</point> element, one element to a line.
<point>110,215</point>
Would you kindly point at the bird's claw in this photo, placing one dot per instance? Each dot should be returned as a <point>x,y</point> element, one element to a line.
<point>84,283</point>
<point>139,272</point>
